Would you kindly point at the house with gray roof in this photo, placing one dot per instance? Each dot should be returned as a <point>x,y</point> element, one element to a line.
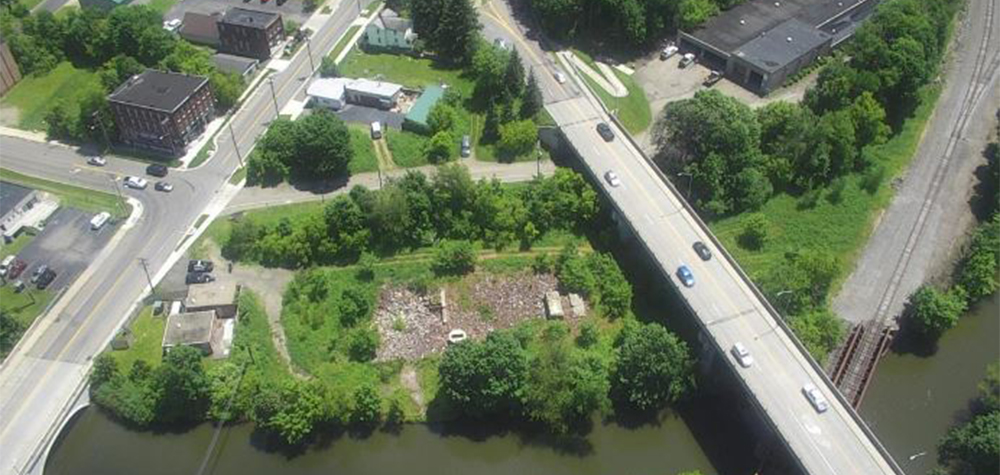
<point>390,31</point>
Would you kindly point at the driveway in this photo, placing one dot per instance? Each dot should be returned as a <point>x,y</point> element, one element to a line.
<point>67,245</point>
<point>367,115</point>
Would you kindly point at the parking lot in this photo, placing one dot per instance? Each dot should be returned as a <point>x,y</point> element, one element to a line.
<point>67,245</point>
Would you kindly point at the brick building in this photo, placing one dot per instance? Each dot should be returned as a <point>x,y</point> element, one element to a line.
<point>250,33</point>
<point>162,111</point>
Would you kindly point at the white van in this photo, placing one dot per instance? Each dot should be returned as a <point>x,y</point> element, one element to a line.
<point>376,130</point>
<point>5,265</point>
<point>99,220</point>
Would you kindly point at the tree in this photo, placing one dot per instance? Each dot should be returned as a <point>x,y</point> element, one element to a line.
<point>441,147</point>
<point>182,385</point>
<point>345,224</point>
<point>989,389</point>
<point>328,67</point>
<point>226,88</point>
<point>532,102</point>
<point>117,70</point>
<point>652,369</point>
<point>517,138</point>
<point>869,120</point>
<point>367,410</point>
<point>754,233</point>
<point>322,146</point>
<point>105,368</point>
<point>223,387</point>
<point>485,378</point>
<point>265,168</point>
<point>453,258</point>
<point>752,190</point>
<point>819,330</point>
<point>975,444</point>
<point>696,12</point>
<point>61,123</point>
<point>457,29</point>
<point>513,76</point>
<point>442,118</point>
<point>354,306</point>
<point>291,410</point>
<point>933,311</point>
<point>563,387</point>
<point>363,345</point>
<point>978,271</point>
<point>489,65</point>
<point>10,333</point>
<point>425,15</point>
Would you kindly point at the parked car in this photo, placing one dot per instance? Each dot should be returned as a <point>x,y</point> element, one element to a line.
<point>502,44</point>
<point>5,265</point>
<point>605,131</point>
<point>157,170</point>
<point>742,355</point>
<point>97,161</point>
<point>815,397</point>
<point>46,279</point>
<point>16,268</point>
<point>685,275</point>
<point>702,250</point>
<point>19,286</point>
<point>163,186</point>
<point>38,273</point>
<point>667,52</point>
<point>99,220</point>
<point>713,77</point>
<point>612,178</point>
<point>172,25</point>
<point>466,146</point>
<point>686,60</point>
<point>376,130</point>
<point>197,265</point>
<point>136,183</point>
<point>198,278</point>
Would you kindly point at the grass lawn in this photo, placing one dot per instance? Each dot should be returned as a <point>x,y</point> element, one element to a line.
<point>364,152</point>
<point>147,332</point>
<point>410,72</point>
<point>344,41</point>
<point>80,198</point>
<point>633,109</point>
<point>29,4</point>
<point>407,148</point>
<point>34,96</point>
<point>162,6</point>
<point>840,226</point>
<point>238,176</point>
<point>23,307</point>
<point>371,8</point>
<point>16,245</point>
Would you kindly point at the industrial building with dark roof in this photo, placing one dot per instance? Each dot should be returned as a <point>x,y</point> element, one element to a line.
<point>760,43</point>
<point>162,111</point>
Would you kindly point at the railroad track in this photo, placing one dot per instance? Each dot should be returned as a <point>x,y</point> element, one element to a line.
<point>858,359</point>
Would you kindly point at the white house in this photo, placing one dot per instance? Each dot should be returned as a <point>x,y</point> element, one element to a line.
<point>328,92</point>
<point>389,30</point>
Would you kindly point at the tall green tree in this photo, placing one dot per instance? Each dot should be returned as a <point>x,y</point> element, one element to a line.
<point>485,378</point>
<point>458,27</point>
<point>532,102</point>
<point>183,386</point>
<point>933,311</point>
<point>653,367</point>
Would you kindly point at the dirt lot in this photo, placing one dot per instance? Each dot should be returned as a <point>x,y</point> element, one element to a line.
<point>412,327</point>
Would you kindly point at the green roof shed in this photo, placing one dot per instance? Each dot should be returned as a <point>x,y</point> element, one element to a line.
<point>422,108</point>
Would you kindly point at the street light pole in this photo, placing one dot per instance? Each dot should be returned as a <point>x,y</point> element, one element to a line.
<point>274,97</point>
<point>107,139</point>
<point>690,182</point>
<point>235,145</point>
<point>310,52</point>
<point>121,199</point>
<point>145,267</point>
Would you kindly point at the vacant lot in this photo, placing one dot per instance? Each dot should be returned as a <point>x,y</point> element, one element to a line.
<point>34,96</point>
<point>410,72</point>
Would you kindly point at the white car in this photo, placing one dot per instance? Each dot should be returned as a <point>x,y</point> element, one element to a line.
<point>172,25</point>
<point>668,52</point>
<point>815,397</point>
<point>97,161</point>
<point>560,77</point>
<point>136,183</point>
<point>612,178</point>
<point>686,60</point>
<point>742,355</point>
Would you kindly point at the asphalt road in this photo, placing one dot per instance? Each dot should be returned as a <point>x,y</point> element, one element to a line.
<point>40,379</point>
<point>931,211</point>
<point>829,443</point>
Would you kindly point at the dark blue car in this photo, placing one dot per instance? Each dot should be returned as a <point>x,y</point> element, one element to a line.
<point>685,275</point>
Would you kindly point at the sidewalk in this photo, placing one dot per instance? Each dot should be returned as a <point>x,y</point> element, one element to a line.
<point>605,78</point>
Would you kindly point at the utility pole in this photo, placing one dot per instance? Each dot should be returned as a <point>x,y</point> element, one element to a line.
<point>310,52</point>
<point>107,139</point>
<point>145,267</point>
<point>235,145</point>
<point>359,7</point>
<point>121,199</point>
<point>274,97</point>
<point>538,159</point>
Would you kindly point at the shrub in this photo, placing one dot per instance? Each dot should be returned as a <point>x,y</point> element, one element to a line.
<point>754,234</point>
<point>453,258</point>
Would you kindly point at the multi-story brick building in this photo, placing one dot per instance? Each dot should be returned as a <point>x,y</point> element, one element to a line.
<point>250,33</point>
<point>10,74</point>
<point>162,111</point>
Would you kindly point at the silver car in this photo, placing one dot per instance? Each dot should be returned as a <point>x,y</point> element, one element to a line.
<point>742,355</point>
<point>815,397</point>
<point>612,178</point>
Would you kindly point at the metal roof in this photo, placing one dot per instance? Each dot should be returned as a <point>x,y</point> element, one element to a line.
<point>11,195</point>
<point>422,107</point>
<point>327,88</point>
<point>374,88</point>
<point>781,45</point>
<point>158,90</point>
<point>230,63</point>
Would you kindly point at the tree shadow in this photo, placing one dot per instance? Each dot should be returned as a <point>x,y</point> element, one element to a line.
<point>983,200</point>
<point>909,340</point>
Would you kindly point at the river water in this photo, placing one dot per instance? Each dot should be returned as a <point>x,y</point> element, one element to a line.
<point>915,399</point>
<point>912,402</point>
